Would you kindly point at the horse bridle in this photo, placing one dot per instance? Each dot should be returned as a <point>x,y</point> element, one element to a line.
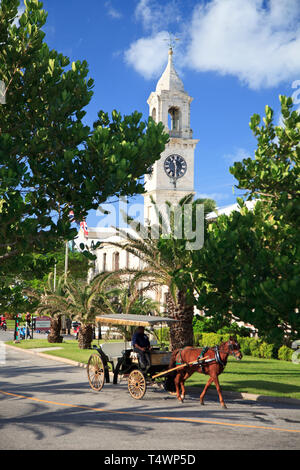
<point>230,344</point>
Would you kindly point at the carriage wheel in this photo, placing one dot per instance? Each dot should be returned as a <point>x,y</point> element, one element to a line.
<point>95,371</point>
<point>136,384</point>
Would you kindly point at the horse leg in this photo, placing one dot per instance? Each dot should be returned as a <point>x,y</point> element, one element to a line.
<point>177,382</point>
<point>184,378</point>
<point>182,390</point>
<point>216,380</point>
<point>204,390</point>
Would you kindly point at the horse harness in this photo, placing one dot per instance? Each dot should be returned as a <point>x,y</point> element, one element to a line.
<point>198,361</point>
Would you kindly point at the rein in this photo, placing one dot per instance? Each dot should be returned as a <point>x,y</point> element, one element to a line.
<point>203,352</point>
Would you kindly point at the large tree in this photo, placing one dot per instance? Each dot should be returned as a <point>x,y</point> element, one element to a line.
<point>51,162</point>
<point>249,266</point>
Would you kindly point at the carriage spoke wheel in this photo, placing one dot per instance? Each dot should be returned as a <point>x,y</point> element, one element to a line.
<point>95,371</point>
<point>136,384</point>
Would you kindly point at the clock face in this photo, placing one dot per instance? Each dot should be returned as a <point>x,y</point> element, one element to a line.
<point>175,166</point>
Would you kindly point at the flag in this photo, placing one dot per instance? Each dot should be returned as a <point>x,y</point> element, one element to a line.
<point>71,216</point>
<point>84,227</point>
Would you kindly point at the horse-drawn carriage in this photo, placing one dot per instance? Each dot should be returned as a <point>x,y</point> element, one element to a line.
<point>170,370</point>
<point>117,360</point>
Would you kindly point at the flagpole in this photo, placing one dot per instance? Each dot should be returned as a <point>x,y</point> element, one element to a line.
<point>66,259</point>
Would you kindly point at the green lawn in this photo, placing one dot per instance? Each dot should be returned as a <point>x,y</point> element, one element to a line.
<point>258,376</point>
<point>70,349</point>
<point>250,375</point>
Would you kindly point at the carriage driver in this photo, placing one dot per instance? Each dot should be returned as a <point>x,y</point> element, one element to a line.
<point>141,345</point>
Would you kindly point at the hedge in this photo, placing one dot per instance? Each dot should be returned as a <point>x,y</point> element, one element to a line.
<point>249,346</point>
<point>285,353</point>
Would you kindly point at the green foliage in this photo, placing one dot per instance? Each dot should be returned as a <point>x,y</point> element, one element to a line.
<point>212,339</point>
<point>163,334</point>
<point>285,353</point>
<point>50,161</point>
<point>266,350</point>
<point>218,325</point>
<point>249,266</point>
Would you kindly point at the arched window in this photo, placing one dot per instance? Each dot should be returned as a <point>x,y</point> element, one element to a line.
<point>174,119</point>
<point>116,261</point>
<point>154,114</point>
<point>104,262</point>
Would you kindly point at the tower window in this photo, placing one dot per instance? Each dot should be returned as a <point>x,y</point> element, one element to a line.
<point>154,114</point>
<point>174,114</point>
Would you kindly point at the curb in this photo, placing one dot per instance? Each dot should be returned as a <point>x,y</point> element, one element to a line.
<point>226,393</point>
<point>249,397</point>
<point>49,356</point>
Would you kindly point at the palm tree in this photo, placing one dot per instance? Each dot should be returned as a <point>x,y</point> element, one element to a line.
<point>129,299</point>
<point>85,301</point>
<point>166,262</point>
<point>51,302</point>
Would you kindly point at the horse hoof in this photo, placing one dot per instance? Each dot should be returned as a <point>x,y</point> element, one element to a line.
<point>202,403</point>
<point>224,406</point>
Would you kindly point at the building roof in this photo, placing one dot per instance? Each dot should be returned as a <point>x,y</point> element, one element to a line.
<point>228,209</point>
<point>170,80</point>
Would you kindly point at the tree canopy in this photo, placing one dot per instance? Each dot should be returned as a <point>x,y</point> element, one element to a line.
<point>51,161</point>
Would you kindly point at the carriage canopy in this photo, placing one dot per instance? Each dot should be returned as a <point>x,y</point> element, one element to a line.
<point>133,320</point>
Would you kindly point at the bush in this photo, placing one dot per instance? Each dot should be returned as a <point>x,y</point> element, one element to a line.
<point>212,339</point>
<point>266,350</point>
<point>285,353</point>
<point>197,338</point>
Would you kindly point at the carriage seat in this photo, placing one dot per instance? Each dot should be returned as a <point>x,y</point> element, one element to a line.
<point>113,351</point>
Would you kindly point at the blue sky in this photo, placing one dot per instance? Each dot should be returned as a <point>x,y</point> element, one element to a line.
<point>234,57</point>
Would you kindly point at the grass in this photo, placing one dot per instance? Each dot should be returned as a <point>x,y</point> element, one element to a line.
<point>251,375</point>
<point>70,349</point>
<point>259,376</point>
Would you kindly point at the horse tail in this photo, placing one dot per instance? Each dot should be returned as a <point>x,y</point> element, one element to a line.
<point>172,362</point>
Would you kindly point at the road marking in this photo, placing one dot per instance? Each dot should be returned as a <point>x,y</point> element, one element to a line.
<point>150,416</point>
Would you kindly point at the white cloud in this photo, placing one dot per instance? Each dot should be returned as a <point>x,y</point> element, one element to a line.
<point>111,11</point>
<point>257,41</point>
<point>148,55</point>
<point>237,156</point>
<point>259,45</point>
<point>156,15</point>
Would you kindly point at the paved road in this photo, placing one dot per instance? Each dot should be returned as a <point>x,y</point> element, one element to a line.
<point>49,405</point>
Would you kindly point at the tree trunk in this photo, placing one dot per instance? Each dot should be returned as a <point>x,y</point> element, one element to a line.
<point>85,336</point>
<point>55,327</point>
<point>181,332</point>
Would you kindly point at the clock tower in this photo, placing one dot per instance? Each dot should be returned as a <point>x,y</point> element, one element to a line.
<point>172,176</point>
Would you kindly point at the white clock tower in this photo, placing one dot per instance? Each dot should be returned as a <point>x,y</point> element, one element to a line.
<point>172,175</point>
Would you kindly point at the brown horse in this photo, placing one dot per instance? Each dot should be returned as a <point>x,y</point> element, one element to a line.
<point>213,365</point>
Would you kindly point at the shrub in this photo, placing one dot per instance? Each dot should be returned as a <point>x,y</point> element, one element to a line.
<point>197,338</point>
<point>212,339</point>
<point>266,350</point>
<point>254,344</point>
<point>244,345</point>
<point>285,353</point>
